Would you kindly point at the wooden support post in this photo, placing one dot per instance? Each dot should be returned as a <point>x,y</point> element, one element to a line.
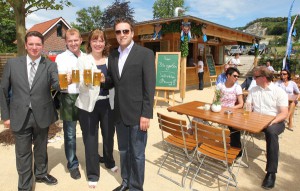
<point>182,77</point>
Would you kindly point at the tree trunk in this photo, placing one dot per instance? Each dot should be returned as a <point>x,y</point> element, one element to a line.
<point>19,10</point>
<point>255,61</point>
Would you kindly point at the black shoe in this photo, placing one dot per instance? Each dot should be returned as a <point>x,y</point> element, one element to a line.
<point>75,174</point>
<point>121,188</point>
<point>101,159</point>
<point>48,179</point>
<point>240,154</point>
<point>269,181</point>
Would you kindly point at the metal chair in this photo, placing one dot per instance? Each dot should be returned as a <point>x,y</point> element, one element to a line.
<point>215,155</point>
<point>178,142</point>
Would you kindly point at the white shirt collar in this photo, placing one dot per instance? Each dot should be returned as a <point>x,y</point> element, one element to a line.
<point>29,60</point>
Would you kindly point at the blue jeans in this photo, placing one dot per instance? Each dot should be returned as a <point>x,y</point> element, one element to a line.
<point>70,143</point>
<point>132,144</point>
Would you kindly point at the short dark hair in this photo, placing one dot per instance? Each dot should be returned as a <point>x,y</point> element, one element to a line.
<point>264,72</point>
<point>36,34</point>
<point>124,20</point>
<point>231,70</point>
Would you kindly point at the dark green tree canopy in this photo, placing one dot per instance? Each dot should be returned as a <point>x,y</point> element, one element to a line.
<point>165,8</point>
<point>117,10</point>
<point>88,19</point>
<point>22,8</point>
<point>8,29</point>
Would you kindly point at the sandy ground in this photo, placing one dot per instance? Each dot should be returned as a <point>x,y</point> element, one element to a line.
<point>248,178</point>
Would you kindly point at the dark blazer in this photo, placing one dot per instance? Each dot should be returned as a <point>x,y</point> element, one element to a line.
<point>15,106</point>
<point>134,90</point>
<point>245,85</point>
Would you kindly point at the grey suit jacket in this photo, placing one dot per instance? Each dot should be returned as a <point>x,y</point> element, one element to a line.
<point>15,105</point>
<point>134,89</point>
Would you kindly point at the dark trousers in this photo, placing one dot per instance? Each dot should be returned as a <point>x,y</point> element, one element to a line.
<point>272,143</point>
<point>132,143</point>
<point>31,133</point>
<point>200,76</point>
<point>235,138</point>
<point>89,122</point>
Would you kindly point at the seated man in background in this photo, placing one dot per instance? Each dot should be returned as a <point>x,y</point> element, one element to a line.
<point>222,77</point>
<point>249,82</point>
<point>235,61</point>
<point>259,96</point>
<point>268,63</point>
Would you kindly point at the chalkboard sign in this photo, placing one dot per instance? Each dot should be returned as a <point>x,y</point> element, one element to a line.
<point>211,65</point>
<point>167,70</point>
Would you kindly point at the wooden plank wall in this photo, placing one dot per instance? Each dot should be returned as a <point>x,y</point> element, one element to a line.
<point>3,59</point>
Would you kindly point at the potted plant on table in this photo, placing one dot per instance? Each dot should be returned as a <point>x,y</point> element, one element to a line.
<point>216,105</point>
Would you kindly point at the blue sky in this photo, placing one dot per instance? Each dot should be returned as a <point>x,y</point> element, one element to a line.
<point>231,13</point>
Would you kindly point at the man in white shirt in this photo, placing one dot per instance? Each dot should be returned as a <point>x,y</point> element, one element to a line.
<point>269,99</point>
<point>234,62</point>
<point>67,61</point>
<point>270,67</point>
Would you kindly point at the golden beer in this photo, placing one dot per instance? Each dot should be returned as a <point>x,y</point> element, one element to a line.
<point>63,82</point>
<point>87,76</point>
<point>97,78</point>
<point>75,76</point>
<point>246,112</point>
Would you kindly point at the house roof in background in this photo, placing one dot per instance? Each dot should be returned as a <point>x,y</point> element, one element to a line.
<point>46,26</point>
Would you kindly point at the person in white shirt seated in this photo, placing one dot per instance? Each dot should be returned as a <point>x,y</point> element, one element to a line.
<point>234,62</point>
<point>269,66</point>
<point>259,97</point>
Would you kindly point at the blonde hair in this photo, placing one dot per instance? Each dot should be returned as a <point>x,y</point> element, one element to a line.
<point>73,31</point>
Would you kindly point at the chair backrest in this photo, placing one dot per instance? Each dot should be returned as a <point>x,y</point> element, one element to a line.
<point>176,127</point>
<point>211,135</point>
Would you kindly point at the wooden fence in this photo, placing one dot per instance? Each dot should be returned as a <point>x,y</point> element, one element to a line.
<point>3,59</point>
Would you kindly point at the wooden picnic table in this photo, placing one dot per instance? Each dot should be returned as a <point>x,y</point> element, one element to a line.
<point>253,123</point>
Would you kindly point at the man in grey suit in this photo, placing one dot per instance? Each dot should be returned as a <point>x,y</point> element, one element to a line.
<point>131,69</point>
<point>29,110</point>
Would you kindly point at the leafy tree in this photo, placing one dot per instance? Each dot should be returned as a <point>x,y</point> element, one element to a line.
<point>88,19</point>
<point>8,29</point>
<point>22,8</point>
<point>165,8</point>
<point>117,10</point>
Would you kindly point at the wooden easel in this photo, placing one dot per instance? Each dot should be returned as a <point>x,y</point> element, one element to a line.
<point>166,97</point>
<point>213,79</point>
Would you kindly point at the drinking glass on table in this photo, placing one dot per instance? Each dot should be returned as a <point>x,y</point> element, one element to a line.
<point>247,108</point>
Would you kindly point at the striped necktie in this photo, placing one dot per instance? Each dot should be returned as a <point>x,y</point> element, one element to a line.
<point>31,73</point>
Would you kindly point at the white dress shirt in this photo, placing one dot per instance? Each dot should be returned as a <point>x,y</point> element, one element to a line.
<point>66,61</point>
<point>267,101</point>
<point>123,56</point>
<point>28,60</point>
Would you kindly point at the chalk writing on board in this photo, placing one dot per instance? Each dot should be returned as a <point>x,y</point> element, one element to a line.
<point>167,70</point>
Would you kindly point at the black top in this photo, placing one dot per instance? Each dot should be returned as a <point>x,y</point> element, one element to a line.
<point>103,92</point>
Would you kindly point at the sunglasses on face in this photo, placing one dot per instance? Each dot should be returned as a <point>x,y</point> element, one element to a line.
<point>236,76</point>
<point>256,77</point>
<point>283,74</point>
<point>125,31</point>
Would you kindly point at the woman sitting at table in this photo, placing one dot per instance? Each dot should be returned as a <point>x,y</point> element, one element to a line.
<point>232,97</point>
<point>291,88</point>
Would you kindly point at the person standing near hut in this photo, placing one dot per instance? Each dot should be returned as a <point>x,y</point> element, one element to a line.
<point>200,65</point>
